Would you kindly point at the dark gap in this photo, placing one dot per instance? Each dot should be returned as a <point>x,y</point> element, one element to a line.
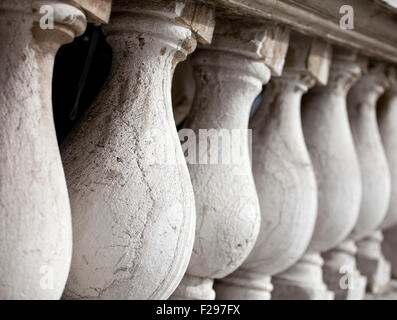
<point>80,70</point>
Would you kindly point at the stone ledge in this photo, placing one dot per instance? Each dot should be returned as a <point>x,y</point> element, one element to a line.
<point>374,33</point>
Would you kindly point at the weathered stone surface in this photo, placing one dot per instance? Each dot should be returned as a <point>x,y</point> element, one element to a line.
<point>263,41</point>
<point>330,144</point>
<point>303,281</point>
<point>387,117</point>
<point>309,56</point>
<point>283,173</point>
<point>373,32</point>
<point>201,19</point>
<point>96,10</point>
<point>329,140</point>
<point>226,201</point>
<point>340,272</point>
<point>375,177</point>
<point>372,263</point>
<point>35,232</point>
<point>131,196</point>
<point>375,174</point>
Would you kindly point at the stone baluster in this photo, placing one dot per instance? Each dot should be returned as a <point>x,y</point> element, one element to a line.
<point>35,235</point>
<point>375,175</point>
<point>373,264</point>
<point>131,197</point>
<point>330,144</point>
<point>341,274</point>
<point>387,119</point>
<point>340,270</point>
<point>283,173</point>
<point>229,75</point>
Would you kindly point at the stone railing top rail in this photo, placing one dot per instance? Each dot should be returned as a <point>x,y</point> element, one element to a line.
<point>375,21</point>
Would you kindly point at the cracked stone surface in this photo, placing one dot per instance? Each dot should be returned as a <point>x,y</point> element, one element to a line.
<point>131,196</point>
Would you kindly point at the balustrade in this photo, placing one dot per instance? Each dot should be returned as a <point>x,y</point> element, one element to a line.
<point>290,204</point>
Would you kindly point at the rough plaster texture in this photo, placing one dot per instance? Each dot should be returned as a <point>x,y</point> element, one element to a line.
<point>330,144</point>
<point>227,206</point>
<point>131,197</point>
<point>35,223</point>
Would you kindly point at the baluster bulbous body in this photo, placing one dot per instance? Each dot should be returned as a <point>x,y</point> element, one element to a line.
<point>131,197</point>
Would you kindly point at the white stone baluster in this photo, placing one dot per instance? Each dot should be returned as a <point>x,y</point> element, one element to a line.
<point>330,144</point>
<point>372,263</point>
<point>35,225</point>
<point>131,197</point>
<point>387,119</point>
<point>375,175</point>
<point>229,75</point>
<point>341,274</point>
<point>340,269</point>
<point>283,173</point>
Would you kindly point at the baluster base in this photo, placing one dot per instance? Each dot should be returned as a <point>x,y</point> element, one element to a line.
<point>244,285</point>
<point>194,288</point>
<point>388,249</point>
<point>303,281</point>
<point>341,274</point>
<point>355,290</point>
<point>372,264</point>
